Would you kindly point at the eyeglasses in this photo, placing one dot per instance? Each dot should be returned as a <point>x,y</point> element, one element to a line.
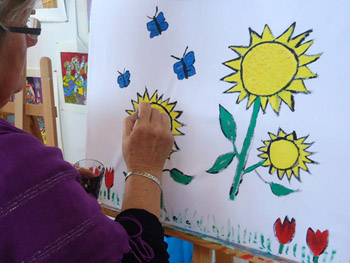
<point>32,29</point>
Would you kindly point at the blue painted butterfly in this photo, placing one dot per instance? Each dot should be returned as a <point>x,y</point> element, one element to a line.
<point>124,79</point>
<point>157,25</point>
<point>184,68</point>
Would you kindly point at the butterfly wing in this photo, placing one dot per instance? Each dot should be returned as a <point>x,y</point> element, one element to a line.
<point>121,81</point>
<point>152,28</point>
<point>179,70</point>
<point>189,60</point>
<point>161,21</point>
<point>127,78</point>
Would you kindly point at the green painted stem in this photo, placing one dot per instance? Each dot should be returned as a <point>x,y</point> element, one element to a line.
<point>242,159</point>
<point>315,259</point>
<point>281,249</point>
<point>253,167</point>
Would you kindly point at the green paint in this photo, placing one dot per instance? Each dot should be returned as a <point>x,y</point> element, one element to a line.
<point>315,259</point>
<point>113,195</point>
<point>199,223</point>
<point>118,200</point>
<point>253,167</point>
<point>262,241</point>
<point>233,234</point>
<point>244,235</point>
<point>221,163</point>
<point>179,176</point>
<point>239,234</point>
<point>229,230</point>
<point>287,250</point>
<point>215,230</point>
<point>295,250</point>
<point>228,125</point>
<point>325,254</point>
<point>104,194</point>
<point>108,194</point>
<point>333,254</point>
<point>250,237</point>
<point>255,238</point>
<point>280,190</point>
<point>268,241</point>
<point>303,252</point>
<point>242,157</point>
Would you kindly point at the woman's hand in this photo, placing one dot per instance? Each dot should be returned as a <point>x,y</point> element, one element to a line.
<point>147,140</point>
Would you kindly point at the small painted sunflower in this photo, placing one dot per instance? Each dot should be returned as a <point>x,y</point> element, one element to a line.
<point>286,153</point>
<point>164,107</point>
<point>271,68</point>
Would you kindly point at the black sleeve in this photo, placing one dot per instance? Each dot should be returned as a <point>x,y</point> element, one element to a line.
<point>138,221</point>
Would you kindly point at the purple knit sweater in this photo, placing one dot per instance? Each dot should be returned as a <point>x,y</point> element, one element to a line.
<point>45,215</point>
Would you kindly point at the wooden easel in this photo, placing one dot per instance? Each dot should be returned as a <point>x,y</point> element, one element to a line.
<point>203,250</point>
<point>25,114</point>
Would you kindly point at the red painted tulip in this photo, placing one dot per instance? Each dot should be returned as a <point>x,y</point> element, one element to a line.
<point>284,232</point>
<point>317,242</point>
<point>109,179</point>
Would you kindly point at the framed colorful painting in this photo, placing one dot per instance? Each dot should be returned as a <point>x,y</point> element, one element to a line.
<point>72,76</point>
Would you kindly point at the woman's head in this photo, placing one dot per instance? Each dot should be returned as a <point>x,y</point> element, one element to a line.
<point>14,11</point>
<point>13,46</point>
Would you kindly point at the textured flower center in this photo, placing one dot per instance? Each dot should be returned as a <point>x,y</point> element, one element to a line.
<point>283,154</point>
<point>268,68</point>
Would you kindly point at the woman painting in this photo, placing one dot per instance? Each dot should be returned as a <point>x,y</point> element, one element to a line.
<point>45,215</point>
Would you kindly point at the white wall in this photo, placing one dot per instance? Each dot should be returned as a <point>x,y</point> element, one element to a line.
<point>73,124</point>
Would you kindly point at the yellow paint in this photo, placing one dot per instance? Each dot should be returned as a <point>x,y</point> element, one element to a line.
<point>286,154</point>
<point>283,154</point>
<point>163,107</point>
<point>261,69</point>
<point>271,68</point>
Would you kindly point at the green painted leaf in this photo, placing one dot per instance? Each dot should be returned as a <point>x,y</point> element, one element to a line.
<point>228,125</point>
<point>180,177</point>
<point>280,190</point>
<point>221,163</point>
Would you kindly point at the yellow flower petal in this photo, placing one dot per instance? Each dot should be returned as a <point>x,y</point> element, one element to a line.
<point>263,103</point>
<point>254,38</point>
<point>298,39</point>
<point>302,48</point>
<point>297,86</point>
<point>242,95</point>
<point>237,88</point>
<point>281,133</point>
<point>251,100</point>
<point>233,78</point>
<point>285,37</point>
<point>287,97</point>
<point>267,34</point>
<point>234,64</point>
<point>304,60</point>
<point>240,50</point>
<point>305,73</point>
<point>275,102</point>
<point>289,173</point>
<point>280,173</point>
<point>272,136</point>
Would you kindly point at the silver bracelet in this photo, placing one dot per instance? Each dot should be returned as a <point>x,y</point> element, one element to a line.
<point>147,175</point>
